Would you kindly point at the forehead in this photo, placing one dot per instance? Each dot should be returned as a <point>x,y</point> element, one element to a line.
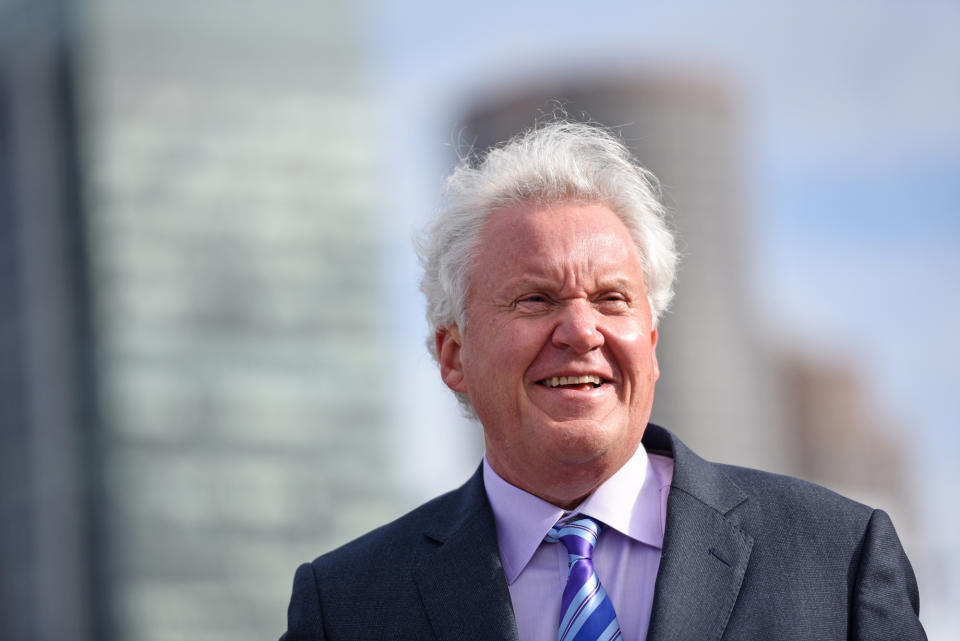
<point>558,236</point>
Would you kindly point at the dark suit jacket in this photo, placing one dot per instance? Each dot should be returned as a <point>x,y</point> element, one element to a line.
<point>746,555</point>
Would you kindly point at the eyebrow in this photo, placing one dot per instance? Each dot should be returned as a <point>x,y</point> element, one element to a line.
<point>546,283</point>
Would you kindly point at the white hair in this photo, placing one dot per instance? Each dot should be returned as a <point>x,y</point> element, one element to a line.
<point>554,162</point>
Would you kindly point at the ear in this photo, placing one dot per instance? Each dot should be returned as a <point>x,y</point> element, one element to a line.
<point>653,353</point>
<point>449,344</point>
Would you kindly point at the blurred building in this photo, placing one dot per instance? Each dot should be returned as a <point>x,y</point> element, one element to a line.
<point>48,565</point>
<point>232,166</point>
<point>838,438</point>
<point>717,389</point>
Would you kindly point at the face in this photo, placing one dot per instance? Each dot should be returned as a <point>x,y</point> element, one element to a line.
<point>558,353</point>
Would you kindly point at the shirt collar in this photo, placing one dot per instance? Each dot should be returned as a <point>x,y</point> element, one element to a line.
<point>629,501</point>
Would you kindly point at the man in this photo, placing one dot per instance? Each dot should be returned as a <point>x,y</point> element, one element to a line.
<point>545,275</point>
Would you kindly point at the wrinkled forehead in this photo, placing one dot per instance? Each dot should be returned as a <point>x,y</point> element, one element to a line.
<point>553,225</point>
<point>553,241</point>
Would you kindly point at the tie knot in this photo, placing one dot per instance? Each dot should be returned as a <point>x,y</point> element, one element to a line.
<point>586,612</point>
<point>579,536</point>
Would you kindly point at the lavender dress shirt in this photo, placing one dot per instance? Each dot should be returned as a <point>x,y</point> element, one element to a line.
<point>633,506</point>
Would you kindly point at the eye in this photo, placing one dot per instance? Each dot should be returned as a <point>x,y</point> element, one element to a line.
<point>532,302</point>
<point>613,301</point>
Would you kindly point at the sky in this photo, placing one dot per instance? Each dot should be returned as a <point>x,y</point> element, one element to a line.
<point>852,151</point>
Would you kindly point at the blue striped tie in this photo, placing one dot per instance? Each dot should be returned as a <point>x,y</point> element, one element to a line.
<point>586,612</point>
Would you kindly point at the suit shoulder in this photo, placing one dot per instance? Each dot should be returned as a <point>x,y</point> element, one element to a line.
<point>794,502</point>
<point>378,570</point>
<point>760,484</point>
<point>396,539</point>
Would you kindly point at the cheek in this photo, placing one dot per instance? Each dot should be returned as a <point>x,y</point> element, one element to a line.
<point>634,329</point>
<point>515,344</point>
<point>633,346</point>
<point>629,336</point>
<point>498,352</point>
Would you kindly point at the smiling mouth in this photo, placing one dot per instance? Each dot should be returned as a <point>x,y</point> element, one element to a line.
<point>565,381</point>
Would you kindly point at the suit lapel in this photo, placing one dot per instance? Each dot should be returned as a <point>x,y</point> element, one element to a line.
<point>460,577</point>
<point>705,554</point>
<point>704,559</point>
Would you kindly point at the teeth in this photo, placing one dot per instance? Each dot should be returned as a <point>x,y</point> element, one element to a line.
<point>571,380</point>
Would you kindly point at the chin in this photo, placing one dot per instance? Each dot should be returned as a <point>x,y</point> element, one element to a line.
<point>584,445</point>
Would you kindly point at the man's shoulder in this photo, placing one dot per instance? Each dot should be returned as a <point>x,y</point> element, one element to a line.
<point>433,520</point>
<point>772,488</point>
<point>814,564</point>
<point>798,508</point>
<point>752,494</point>
<point>381,568</point>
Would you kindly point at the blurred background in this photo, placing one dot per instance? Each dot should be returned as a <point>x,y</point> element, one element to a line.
<point>211,340</point>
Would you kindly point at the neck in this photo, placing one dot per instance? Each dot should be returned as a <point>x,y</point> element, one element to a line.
<point>565,486</point>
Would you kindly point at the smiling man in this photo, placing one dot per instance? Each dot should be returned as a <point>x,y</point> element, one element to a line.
<point>545,274</point>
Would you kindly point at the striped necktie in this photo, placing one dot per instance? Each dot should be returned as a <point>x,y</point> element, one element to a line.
<point>586,612</point>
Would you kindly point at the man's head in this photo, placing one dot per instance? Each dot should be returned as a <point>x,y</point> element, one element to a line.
<point>551,260</point>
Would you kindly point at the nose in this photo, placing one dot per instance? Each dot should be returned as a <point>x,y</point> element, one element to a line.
<point>577,327</point>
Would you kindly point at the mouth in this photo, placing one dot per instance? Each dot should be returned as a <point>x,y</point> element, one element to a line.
<point>590,381</point>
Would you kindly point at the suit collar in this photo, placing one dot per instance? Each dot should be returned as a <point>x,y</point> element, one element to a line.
<point>705,554</point>
<point>704,559</point>
<point>462,562</point>
<point>693,475</point>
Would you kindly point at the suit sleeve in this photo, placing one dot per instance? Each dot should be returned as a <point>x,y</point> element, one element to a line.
<point>886,602</point>
<point>304,619</point>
